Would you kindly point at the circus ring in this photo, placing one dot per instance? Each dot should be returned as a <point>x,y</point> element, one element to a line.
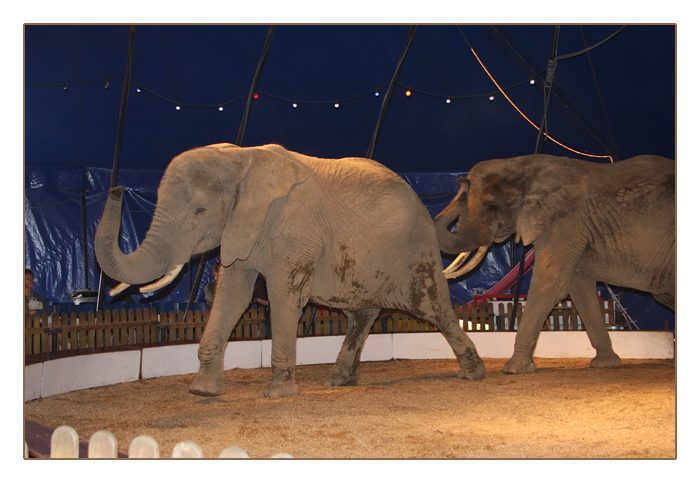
<point>408,404</point>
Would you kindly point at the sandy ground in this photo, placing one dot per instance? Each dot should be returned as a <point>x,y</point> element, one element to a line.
<point>400,409</point>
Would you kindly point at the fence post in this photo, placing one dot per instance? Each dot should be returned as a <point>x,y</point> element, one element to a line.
<point>144,447</point>
<point>281,455</point>
<point>65,443</point>
<point>102,444</point>
<point>58,335</point>
<point>234,452</point>
<point>187,449</point>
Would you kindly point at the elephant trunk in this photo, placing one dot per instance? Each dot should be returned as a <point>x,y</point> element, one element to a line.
<point>457,240</point>
<point>143,265</point>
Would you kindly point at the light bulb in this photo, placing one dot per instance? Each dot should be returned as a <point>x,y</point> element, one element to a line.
<point>376,94</point>
<point>491,98</point>
<point>408,93</point>
<point>532,82</point>
<point>221,108</point>
<point>294,105</point>
<point>177,108</point>
<point>447,101</point>
<point>337,105</point>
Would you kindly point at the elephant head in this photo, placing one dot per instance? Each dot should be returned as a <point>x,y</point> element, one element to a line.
<point>501,197</point>
<point>218,195</point>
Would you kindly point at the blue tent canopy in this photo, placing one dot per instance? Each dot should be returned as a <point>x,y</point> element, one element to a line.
<point>320,93</point>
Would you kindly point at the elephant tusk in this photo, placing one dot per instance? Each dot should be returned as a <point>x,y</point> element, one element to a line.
<point>118,289</point>
<point>456,263</point>
<point>163,281</point>
<point>476,259</point>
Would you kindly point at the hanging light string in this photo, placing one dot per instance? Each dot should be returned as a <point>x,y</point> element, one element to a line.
<point>373,92</point>
<point>523,114</point>
<point>65,85</point>
<point>140,88</point>
<point>470,96</point>
<point>294,102</point>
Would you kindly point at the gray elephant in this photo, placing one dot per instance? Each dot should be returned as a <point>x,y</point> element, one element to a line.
<point>588,222</point>
<point>346,233</point>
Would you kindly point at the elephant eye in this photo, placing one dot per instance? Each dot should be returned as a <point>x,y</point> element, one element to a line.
<point>199,210</point>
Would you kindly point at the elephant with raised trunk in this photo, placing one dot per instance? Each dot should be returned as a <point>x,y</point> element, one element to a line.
<point>346,233</point>
<point>588,223</point>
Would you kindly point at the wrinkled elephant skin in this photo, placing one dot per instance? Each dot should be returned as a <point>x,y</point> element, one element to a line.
<point>345,233</point>
<point>588,222</point>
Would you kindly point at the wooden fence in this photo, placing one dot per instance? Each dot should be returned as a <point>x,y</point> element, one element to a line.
<point>49,333</point>
<point>65,443</point>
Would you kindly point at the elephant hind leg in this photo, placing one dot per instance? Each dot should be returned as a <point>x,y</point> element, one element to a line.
<point>583,294</point>
<point>346,368</point>
<point>470,363</point>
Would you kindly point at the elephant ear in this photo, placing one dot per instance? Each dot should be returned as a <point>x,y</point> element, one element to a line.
<point>270,177</point>
<point>554,187</point>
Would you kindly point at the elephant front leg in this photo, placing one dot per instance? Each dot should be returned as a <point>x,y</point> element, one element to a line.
<point>346,368</point>
<point>284,351</point>
<point>583,294</point>
<point>233,294</point>
<point>209,381</point>
<point>544,294</point>
<point>525,341</point>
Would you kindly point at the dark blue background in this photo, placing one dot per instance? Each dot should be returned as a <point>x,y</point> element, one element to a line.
<point>619,100</point>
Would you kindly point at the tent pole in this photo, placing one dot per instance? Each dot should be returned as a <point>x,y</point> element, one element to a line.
<point>551,67</point>
<point>83,216</point>
<point>254,85</point>
<point>389,93</point>
<point>118,149</point>
<point>239,140</point>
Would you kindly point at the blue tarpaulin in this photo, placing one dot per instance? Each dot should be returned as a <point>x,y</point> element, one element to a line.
<point>465,94</point>
<point>63,206</point>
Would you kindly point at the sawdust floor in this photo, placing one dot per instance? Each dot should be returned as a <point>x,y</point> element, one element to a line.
<point>400,409</point>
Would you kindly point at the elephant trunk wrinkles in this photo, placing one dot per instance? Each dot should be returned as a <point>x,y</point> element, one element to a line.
<point>454,242</point>
<point>143,265</point>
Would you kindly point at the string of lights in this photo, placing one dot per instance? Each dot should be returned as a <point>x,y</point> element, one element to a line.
<point>180,105</point>
<point>295,103</point>
<point>66,85</point>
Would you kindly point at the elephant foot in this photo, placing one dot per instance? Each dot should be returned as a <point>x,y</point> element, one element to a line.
<point>475,372</point>
<point>519,366</point>
<point>208,385</point>
<point>606,360</point>
<point>281,389</point>
<point>340,379</point>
